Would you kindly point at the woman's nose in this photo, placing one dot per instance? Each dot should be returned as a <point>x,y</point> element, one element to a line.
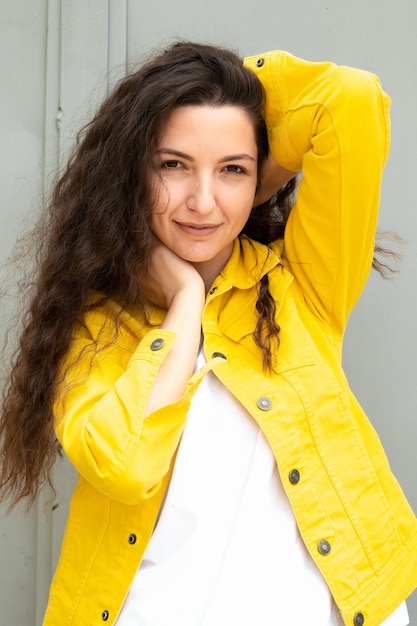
<point>201,196</point>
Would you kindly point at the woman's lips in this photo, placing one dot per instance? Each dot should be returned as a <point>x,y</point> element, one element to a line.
<point>198,230</point>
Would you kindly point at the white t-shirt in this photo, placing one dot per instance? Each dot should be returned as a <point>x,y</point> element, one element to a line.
<point>226,550</point>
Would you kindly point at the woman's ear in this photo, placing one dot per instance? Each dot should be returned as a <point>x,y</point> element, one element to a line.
<point>273,177</point>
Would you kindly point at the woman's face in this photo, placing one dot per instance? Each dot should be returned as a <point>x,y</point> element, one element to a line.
<point>207,166</point>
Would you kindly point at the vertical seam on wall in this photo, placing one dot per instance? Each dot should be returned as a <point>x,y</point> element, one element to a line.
<point>52,92</point>
<point>117,19</point>
<point>50,164</point>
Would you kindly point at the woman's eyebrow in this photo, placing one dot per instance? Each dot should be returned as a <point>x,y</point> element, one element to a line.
<point>238,157</point>
<point>178,153</point>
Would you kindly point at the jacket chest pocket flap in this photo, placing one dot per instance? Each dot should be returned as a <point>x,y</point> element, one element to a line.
<point>238,321</point>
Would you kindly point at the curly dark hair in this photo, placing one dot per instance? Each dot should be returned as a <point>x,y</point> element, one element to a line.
<point>95,236</point>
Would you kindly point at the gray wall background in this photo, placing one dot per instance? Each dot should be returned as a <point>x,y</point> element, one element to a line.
<point>57,60</point>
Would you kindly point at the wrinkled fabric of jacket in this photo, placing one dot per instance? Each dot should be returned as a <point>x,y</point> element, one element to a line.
<point>332,123</point>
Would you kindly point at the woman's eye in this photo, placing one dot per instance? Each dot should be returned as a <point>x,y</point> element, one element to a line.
<point>171,164</point>
<point>235,169</point>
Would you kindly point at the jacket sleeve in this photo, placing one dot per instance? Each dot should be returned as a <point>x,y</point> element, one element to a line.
<point>100,404</point>
<point>332,124</point>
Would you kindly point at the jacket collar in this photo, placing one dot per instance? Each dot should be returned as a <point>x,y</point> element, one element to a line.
<point>248,263</point>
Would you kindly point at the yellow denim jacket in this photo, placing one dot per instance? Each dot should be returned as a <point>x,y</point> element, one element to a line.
<point>332,123</point>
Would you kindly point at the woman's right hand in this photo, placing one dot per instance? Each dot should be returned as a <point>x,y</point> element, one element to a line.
<point>170,276</point>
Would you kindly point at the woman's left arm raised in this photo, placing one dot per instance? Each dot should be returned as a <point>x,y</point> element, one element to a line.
<point>331,123</point>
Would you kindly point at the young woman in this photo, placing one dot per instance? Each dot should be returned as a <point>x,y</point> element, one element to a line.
<point>186,353</point>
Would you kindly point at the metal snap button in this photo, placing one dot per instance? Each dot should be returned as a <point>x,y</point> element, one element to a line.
<point>294,476</point>
<point>105,616</point>
<point>220,354</point>
<point>132,539</point>
<point>212,290</point>
<point>359,619</point>
<point>260,62</point>
<point>264,403</point>
<point>157,344</point>
<point>324,547</point>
